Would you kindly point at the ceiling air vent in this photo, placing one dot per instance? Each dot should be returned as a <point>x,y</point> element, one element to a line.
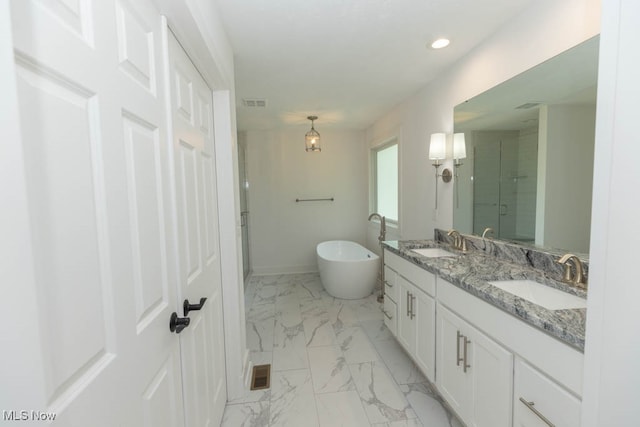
<point>254,102</point>
<point>527,105</point>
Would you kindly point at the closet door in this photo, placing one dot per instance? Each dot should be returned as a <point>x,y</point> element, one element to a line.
<point>96,347</point>
<point>202,343</point>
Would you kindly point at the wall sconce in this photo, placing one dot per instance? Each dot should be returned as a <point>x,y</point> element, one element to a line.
<point>312,138</point>
<point>459,153</point>
<point>437,152</point>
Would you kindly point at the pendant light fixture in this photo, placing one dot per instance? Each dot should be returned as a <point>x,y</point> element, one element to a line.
<point>312,138</point>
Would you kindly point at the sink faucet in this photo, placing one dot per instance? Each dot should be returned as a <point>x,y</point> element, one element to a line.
<point>578,279</point>
<point>487,231</point>
<point>383,226</point>
<point>458,241</point>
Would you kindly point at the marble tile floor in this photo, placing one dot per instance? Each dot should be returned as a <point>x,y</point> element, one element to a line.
<point>334,363</point>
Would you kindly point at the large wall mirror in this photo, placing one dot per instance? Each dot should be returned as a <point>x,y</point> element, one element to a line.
<point>529,142</point>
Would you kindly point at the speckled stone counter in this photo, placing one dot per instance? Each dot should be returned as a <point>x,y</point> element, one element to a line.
<point>472,270</point>
<point>518,253</point>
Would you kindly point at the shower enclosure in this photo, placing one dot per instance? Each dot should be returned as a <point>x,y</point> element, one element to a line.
<point>504,183</point>
<point>244,210</point>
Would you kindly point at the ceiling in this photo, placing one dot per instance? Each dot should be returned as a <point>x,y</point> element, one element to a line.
<point>346,61</point>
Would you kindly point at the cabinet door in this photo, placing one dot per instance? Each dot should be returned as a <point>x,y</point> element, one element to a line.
<point>453,383</point>
<point>406,323</point>
<point>536,398</point>
<point>425,320</point>
<point>491,370</point>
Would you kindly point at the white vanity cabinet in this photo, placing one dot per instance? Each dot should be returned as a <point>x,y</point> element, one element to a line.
<point>493,369</point>
<point>503,352</point>
<point>413,289</point>
<point>540,402</point>
<point>475,374</point>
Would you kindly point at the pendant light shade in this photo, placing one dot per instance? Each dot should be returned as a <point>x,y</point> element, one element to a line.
<point>312,138</point>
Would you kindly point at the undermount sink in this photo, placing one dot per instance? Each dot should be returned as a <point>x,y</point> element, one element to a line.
<point>433,252</point>
<point>542,295</point>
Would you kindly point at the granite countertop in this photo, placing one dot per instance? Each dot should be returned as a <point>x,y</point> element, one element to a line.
<point>472,270</point>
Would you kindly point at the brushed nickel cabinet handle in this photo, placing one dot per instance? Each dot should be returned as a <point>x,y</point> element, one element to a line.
<point>465,365</point>
<point>535,411</point>
<point>387,315</point>
<point>458,358</point>
<point>408,310</point>
<point>388,284</point>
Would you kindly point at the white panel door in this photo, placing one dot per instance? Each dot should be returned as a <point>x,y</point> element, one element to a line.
<point>425,352</point>
<point>202,342</point>
<point>406,323</point>
<point>491,370</point>
<point>96,161</point>
<point>452,380</point>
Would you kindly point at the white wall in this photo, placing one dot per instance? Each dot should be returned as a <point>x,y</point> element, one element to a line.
<point>284,234</point>
<point>543,30</point>
<point>611,372</point>
<point>566,142</point>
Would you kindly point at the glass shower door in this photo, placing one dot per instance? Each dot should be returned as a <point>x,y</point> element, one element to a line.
<point>244,211</point>
<point>486,187</point>
<point>504,184</point>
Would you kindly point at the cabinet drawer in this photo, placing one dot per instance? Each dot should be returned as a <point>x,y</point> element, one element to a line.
<point>390,288</point>
<point>420,277</point>
<point>552,402</point>
<point>391,315</point>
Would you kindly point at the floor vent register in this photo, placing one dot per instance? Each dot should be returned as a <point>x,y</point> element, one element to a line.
<point>261,378</point>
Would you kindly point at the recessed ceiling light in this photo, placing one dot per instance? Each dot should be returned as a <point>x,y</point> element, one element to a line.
<point>440,43</point>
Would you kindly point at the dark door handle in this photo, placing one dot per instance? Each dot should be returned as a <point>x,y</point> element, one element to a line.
<point>186,307</point>
<point>177,324</point>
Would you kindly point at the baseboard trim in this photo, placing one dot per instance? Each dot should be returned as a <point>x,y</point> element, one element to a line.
<point>296,269</point>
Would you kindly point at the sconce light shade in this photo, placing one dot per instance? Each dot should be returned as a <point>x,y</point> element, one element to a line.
<point>312,138</point>
<point>459,146</point>
<point>437,146</point>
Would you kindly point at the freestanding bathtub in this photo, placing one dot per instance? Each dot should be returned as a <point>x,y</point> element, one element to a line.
<point>347,270</point>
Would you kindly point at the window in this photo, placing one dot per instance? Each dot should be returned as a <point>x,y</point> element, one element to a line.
<point>385,179</point>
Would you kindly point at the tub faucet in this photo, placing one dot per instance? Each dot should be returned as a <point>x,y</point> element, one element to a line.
<point>578,279</point>
<point>381,238</point>
<point>383,226</point>
<point>458,241</point>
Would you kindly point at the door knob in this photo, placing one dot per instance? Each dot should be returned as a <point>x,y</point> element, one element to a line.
<point>177,324</point>
<point>186,307</point>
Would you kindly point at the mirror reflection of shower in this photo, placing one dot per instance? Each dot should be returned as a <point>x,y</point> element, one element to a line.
<point>504,183</point>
